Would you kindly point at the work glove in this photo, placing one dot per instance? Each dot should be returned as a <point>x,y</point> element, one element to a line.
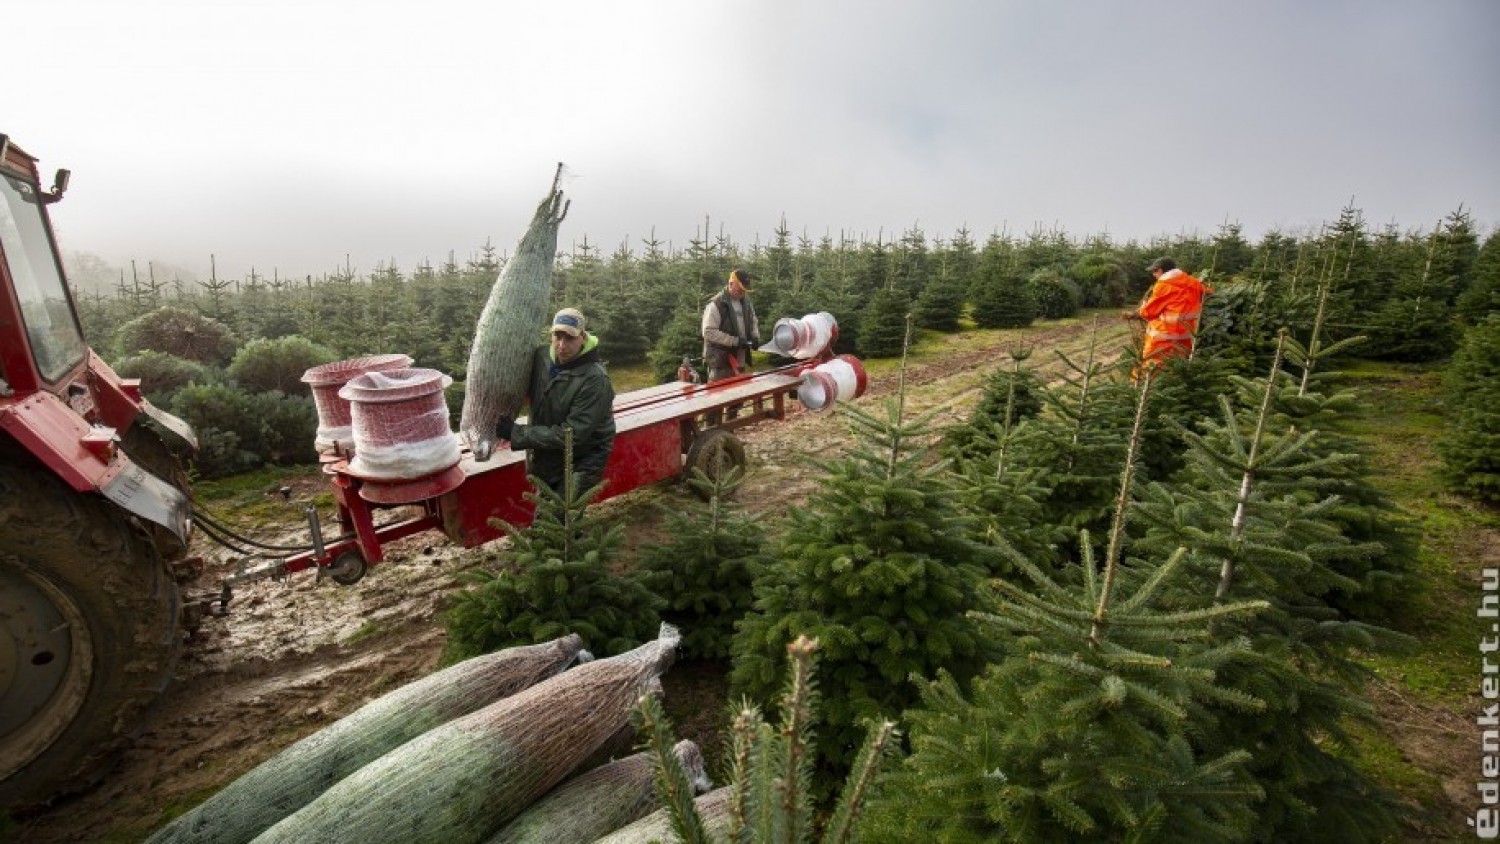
<point>504,426</point>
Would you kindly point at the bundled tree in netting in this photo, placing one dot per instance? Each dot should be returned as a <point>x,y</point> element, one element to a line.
<point>263,365</point>
<point>177,332</point>
<point>1249,509</point>
<point>1056,296</point>
<point>878,565</point>
<point>883,324</point>
<point>705,570</point>
<point>162,375</point>
<point>1471,447</point>
<point>554,579</point>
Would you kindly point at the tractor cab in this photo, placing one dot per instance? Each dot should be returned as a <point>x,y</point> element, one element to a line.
<point>93,515</point>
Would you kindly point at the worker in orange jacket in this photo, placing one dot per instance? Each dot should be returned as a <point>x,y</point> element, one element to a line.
<point>1171,312</point>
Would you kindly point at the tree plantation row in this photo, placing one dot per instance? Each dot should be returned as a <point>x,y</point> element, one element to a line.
<point>1100,608</point>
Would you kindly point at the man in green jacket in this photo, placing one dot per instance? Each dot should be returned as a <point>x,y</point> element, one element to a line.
<point>569,390</point>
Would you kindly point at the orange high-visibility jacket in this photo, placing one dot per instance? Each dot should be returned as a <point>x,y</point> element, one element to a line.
<point>1172,313</point>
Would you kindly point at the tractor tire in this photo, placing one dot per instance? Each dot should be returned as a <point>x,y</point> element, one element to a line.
<point>714,452</point>
<point>88,632</point>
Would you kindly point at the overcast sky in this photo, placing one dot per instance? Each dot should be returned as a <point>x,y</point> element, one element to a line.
<point>287,134</point>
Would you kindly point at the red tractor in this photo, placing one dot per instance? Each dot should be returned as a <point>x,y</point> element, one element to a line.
<point>93,513</point>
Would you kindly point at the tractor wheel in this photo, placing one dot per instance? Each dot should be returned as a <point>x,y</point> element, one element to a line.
<point>714,452</point>
<point>88,632</point>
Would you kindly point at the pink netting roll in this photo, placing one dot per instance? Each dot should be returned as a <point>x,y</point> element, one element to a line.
<point>335,431</point>
<point>400,423</point>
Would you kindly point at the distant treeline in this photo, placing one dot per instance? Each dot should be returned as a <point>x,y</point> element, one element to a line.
<point>1409,292</point>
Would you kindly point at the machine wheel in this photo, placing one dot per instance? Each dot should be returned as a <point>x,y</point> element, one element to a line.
<point>714,452</point>
<point>88,632</point>
<point>348,568</point>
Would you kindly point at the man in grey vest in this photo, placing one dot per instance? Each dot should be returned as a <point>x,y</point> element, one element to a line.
<point>730,329</point>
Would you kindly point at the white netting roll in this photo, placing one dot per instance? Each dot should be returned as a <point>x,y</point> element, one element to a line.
<point>400,425</point>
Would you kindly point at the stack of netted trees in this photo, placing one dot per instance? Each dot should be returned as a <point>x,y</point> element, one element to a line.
<point>481,751</point>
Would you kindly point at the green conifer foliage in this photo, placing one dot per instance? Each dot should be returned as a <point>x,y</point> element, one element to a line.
<point>1001,299</point>
<point>1471,451</point>
<point>1251,507</point>
<point>1010,396</point>
<point>941,303</point>
<point>705,568</point>
<point>878,565</point>
<point>1087,729</point>
<point>554,579</point>
<point>681,338</point>
<point>1482,297</point>
<point>1056,296</point>
<point>772,798</point>
<point>883,324</point>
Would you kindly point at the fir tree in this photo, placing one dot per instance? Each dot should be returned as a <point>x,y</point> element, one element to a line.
<point>705,569</point>
<point>1249,507</point>
<point>882,325</point>
<point>941,303</point>
<point>554,579</point>
<point>1086,729</point>
<point>1471,448</point>
<point>1009,397</point>
<point>878,566</point>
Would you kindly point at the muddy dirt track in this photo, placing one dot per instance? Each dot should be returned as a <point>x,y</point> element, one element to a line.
<point>295,655</point>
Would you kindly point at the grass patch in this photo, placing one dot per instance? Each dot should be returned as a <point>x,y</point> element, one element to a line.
<point>1400,424</point>
<point>365,631</point>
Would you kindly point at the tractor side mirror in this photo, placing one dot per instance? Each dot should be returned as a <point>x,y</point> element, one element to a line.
<point>59,184</point>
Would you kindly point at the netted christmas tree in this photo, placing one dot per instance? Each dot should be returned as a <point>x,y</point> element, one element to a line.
<point>879,566</point>
<point>554,579</point>
<point>705,569</point>
<point>1088,729</point>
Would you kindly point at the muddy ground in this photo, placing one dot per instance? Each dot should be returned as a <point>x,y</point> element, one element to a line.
<point>297,654</point>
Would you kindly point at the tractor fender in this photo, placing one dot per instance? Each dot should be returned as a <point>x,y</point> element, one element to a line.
<point>120,402</point>
<point>87,458</point>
